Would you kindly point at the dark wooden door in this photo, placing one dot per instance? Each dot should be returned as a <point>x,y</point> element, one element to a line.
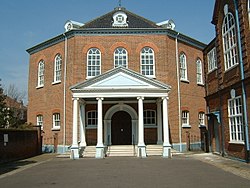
<point>121,129</point>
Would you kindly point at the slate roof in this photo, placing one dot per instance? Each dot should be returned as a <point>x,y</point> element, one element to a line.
<point>134,21</point>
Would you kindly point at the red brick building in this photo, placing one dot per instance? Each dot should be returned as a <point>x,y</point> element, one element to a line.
<point>122,72</point>
<point>227,71</point>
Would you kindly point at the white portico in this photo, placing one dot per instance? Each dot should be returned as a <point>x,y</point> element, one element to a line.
<point>125,93</point>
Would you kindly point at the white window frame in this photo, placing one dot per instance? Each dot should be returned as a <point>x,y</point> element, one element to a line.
<point>92,119</point>
<point>147,62</point>
<point>229,38</point>
<point>57,69</point>
<point>120,57</point>
<point>235,119</point>
<point>201,117</point>
<point>40,74</point>
<point>56,121</point>
<point>199,73</point>
<point>185,119</point>
<point>39,120</point>
<point>248,8</point>
<point>183,67</point>
<point>93,62</point>
<point>149,118</point>
<point>212,60</point>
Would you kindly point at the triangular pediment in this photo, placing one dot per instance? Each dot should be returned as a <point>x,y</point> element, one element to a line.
<point>120,78</point>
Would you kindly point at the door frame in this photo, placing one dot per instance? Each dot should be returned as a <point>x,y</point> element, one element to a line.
<point>108,118</point>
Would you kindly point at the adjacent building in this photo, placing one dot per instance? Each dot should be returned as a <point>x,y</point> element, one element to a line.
<point>119,79</point>
<point>227,79</point>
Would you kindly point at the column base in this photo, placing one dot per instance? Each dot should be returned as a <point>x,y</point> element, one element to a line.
<point>99,153</point>
<point>159,142</point>
<point>81,150</point>
<point>142,152</point>
<point>166,152</point>
<point>74,154</point>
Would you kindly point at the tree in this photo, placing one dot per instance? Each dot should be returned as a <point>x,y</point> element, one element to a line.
<point>13,92</point>
<point>3,108</point>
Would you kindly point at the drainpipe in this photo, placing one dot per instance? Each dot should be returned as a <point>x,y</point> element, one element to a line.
<point>242,81</point>
<point>64,90</point>
<point>178,89</point>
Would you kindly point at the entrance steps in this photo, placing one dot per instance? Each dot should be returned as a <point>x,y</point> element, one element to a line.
<point>121,151</point>
<point>154,150</point>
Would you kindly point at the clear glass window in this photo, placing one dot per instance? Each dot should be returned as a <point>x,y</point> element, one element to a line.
<point>199,72</point>
<point>229,41</point>
<point>149,117</point>
<point>147,62</point>
<point>183,67</point>
<point>58,68</point>
<point>92,118</point>
<point>235,119</point>
<point>56,120</point>
<point>94,62</point>
<point>212,60</point>
<point>40,80</point>
<point>39,120</point>
<point>121,57</point>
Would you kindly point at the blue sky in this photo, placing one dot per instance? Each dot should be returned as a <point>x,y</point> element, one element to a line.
<point>25,23</point>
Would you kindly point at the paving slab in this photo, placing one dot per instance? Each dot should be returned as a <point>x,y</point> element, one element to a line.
<point>180,171</point>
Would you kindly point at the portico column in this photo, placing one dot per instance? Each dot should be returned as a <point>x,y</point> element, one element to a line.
<point>82,129</point>
<point>99,146</point>
<point>74,147</point>
<point>166,143</point>
<point>159,122</point>
<point>141,145</point>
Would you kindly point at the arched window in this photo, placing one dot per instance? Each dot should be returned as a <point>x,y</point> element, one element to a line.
<point>94,62</point>
<point>199,71</point>
<point>147,62</point>
<point>229,41</point>
<point>120,57</point>
<point>201,117</point>
<point>40,79</point>
<point>58,68</point>
<point>185,118</point>
<point>183,67</point>
<point>248,8</point>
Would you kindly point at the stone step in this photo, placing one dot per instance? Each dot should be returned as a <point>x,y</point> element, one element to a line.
<point>121,151</point>
<point>154,150</point>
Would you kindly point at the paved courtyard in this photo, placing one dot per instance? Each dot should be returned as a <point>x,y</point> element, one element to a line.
<point>180,171</point>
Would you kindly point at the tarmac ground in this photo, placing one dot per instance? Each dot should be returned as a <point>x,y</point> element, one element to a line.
<point>184,170</point>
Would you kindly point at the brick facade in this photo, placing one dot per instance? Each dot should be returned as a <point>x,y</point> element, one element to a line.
<point>49,98</point>
<point>220,83</point>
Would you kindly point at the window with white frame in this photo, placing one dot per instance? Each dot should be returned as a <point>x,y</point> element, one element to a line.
<point>201,117</point>
<point>147,62</point>
<point>56,121</point>
<point>185,118</point>
<point>235,119</point>
<point>248,8</point>
<point>121,57</point>
<point>39,120</point>
<point>199,72</point>
<point>92,118</point>
<point>40,79</point>
<point>212,60</point>
<point>183,67</point>
<point>149,117</point>
<point>58,68</point>
<point>94,62</point>
<point>229,41</point>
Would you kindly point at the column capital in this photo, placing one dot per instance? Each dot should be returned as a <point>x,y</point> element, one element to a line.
<point>142,98</point>
<point>75,98</point>
<point>159,100</point>
<point>82,102</point>
<point>99,98</point>
<point>166,97</point>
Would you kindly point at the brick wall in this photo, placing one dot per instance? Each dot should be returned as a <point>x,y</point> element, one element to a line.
<point>49,98</point>
<point>19,144</point>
